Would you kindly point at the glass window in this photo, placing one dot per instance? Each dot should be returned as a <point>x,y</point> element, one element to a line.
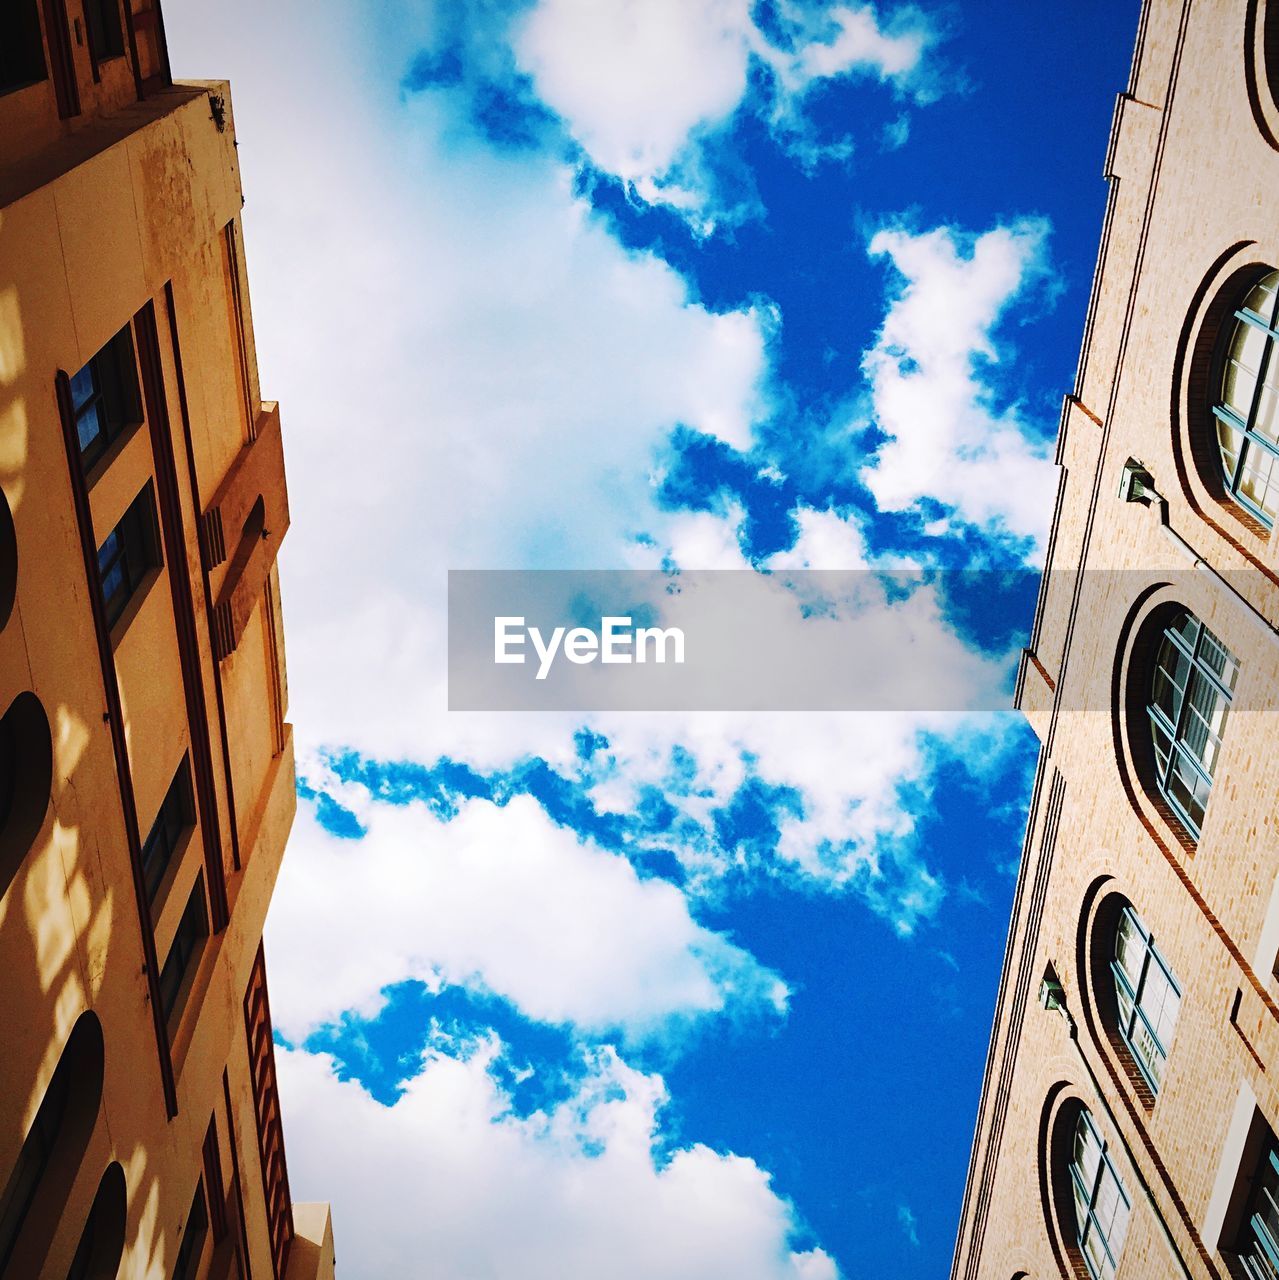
<point>1259,1246</point>
<point>33,1160</point>
<point>130,551</point>
<point>1148,994</point>
<point>193,1237</point>
<point>106,36</point>
<point>185,949</point>
<point>104,397</point>
<point>1247,407</point>
<point>176,816</point>
<point>1193,684</point>
<point>1101,1203</point>
<point>57,1138</point>
<point>21,49</point>
<point>97,1256</point>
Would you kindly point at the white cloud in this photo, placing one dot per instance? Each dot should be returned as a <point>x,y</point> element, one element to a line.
<point>827,540</point>
<point>634,81</point>
<point>498,900</point>
<point>948,440</point>
<point>860,41</point>
<point>641,86</point>
<point>450,1174</point>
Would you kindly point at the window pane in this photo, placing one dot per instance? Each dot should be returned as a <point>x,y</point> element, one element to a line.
<point>1258,477</point>
<point>1203,710</point>
<point>88,428</point>
<point>1130,949</point>
<point>1219,659</point>
<point>82,387</point>
<point>1264,424</point>
<point>1261,297</point>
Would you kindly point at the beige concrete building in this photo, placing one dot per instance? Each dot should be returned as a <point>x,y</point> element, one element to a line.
<point>146,766</point>
<point>1129,1121</point>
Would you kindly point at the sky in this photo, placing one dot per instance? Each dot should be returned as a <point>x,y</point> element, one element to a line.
<point>670,285</point>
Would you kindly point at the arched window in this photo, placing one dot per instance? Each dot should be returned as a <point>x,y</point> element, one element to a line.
<point>8,560</point>
<point>26,772</point>
<point>1149,998</point>
<point>1101,1203</point>
<point>97,1256</point>
<point>1194,681</point>
<point>1247,407</point>
<point>33,1199</point>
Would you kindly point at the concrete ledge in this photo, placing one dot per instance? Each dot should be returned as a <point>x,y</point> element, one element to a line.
<point>311,1253</point>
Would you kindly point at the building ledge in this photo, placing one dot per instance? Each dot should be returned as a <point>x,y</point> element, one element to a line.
<point>311,1253</point>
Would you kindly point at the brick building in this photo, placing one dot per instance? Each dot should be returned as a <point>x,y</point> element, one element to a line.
<point>146,766</point>
<point>1129,1120</point>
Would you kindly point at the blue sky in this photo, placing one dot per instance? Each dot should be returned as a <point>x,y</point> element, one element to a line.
<point>686,283</point>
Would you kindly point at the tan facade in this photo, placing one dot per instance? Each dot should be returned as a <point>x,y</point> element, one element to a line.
<point>1123,881</point>
<point>146,765</point>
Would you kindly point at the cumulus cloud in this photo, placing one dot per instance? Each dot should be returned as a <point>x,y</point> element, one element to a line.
<point>499,900</point>
<point>949,442</point>
<point>450,1173</point>
<point>641,87</point>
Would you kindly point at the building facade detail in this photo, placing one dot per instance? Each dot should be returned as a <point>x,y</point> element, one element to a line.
<point>146,760</point>
<point>1127,1122</point>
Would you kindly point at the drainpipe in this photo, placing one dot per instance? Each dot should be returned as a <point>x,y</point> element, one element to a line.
<point>1052,998</point>
<point>1136,484</point>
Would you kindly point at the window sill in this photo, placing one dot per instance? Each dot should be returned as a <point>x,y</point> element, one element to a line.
<point>102,463</point>
<point>131,610</point>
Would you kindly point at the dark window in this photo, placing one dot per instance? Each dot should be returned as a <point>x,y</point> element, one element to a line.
<point>131,551</point>
<point>1259,1245</point>
<point>97,1256</point>
<point>177,814</point>
<point>106,37</point>
<point>104,396</point>
<point>21,49</point>
<point>1247,407</point>
<point>193,1237</point>
<point>34,1197</point>
<point>8,769</point>
<point>193,928</point>
<point>1194,682</point>
<point>33,1160</point>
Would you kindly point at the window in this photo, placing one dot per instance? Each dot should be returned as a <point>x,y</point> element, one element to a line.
<point>193,928</point>
<point>21,49</point>
<point>1148,994</point>
<point>1259,1244</point>
<point>177,814</point>
<point>106,37</point>
<point>33,1160</point>
<point>97,1256</point>
<point>1246,412</point>
<point>193,1237</point>
<point>1101,1203</point>
<point>131,551</point>
<point>26,777</point>
<point>104,397</point>
<point>33,1198</point>
<point>1194,681</point>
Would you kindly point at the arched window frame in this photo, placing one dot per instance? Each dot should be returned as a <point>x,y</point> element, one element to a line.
<point>1101,1202</point>
<point>1195,642</point>
<point>1250,440</point>
<point>1132,1014</point>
